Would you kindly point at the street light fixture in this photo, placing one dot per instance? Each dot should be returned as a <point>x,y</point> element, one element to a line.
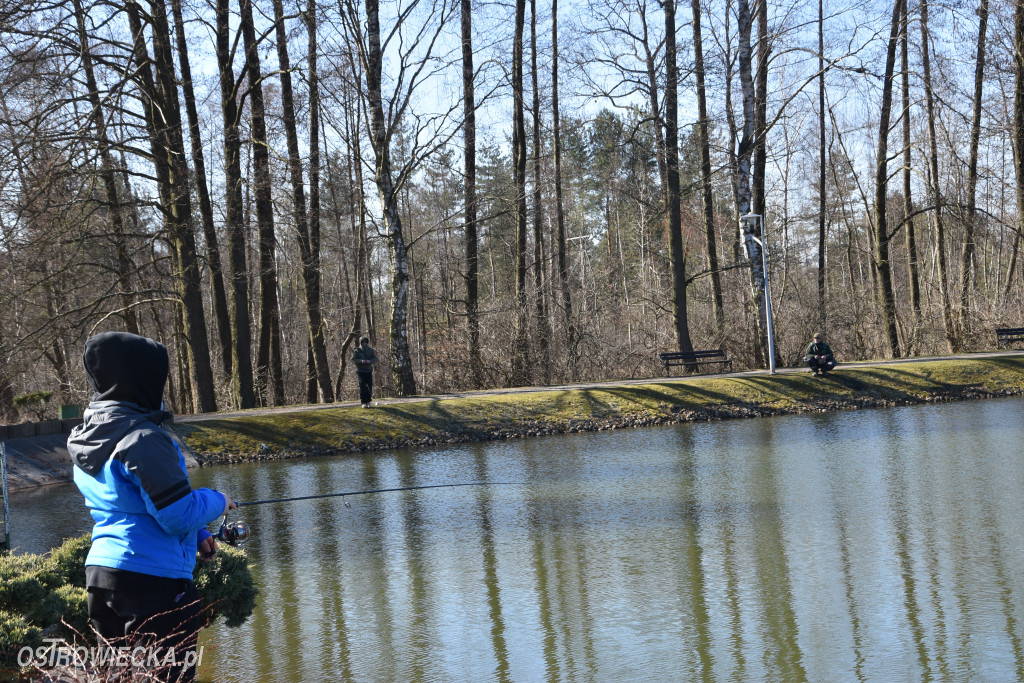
<point>754,221</point>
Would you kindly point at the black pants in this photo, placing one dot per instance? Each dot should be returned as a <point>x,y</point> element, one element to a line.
<point>365,386</point>
<point>821,365</point>
<point>158,614</point>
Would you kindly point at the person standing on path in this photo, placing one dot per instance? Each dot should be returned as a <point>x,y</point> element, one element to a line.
<point>364,359</point>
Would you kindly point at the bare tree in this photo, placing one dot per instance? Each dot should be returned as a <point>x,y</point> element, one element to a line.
<point>938,224</point>
<point>241,330</point>
<point>520,373</point>
<point>310,258</point>
<point>760,151</point>
<point>967,265</point>
<point>675,227</point>
<point>540,306</point>
<point>107,171</point>
<point>220,302</point>
<point>357,201</point>
<point>706,195</point>
<point>163,120</point>
<point>749,229</point>
<point>822,164</point>
<point>470,211</point>
<point>1018,134</point>
<point>413,49</point>
<point>881,227</point>
<point>269,366</point>
<point>908,204</point>
<point>560,235</point>
<point>310,20</point>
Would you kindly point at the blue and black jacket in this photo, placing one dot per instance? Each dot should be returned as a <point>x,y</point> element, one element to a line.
<point>148,518</point>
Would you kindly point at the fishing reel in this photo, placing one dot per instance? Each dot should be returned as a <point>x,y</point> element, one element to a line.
<point>233,533</point>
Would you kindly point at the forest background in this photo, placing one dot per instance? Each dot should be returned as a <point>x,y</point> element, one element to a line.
<point>499,194</point>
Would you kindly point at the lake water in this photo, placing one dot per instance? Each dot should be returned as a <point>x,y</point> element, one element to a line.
<point>872,545</point>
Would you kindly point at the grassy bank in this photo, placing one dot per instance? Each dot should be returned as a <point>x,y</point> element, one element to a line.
<point>514,415</point>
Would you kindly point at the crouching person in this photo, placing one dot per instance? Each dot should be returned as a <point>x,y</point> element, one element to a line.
<point>149,521</point>
<point>819,356</point>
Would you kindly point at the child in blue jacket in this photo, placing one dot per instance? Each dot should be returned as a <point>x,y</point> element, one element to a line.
<point>149,521</point>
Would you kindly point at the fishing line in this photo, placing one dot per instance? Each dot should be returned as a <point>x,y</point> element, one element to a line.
<point>358,493</point>
<point>234,533</point>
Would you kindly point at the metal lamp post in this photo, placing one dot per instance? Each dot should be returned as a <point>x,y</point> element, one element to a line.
<point>757,220</point>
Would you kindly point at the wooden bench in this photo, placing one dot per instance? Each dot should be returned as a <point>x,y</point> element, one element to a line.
<point>694,358</point>
<point>1007,335</point>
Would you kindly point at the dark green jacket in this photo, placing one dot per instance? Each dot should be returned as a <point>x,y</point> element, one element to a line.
<point>821,349</point>
<point>364,354</point>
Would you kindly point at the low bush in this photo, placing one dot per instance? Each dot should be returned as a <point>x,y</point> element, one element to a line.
<point>227,586</point>
<point>44,596</point>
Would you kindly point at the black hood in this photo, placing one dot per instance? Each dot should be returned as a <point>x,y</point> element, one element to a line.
<point>126,367</point>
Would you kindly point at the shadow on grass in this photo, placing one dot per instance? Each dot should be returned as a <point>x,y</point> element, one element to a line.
<point>655,397</point>
<point>470,418</point>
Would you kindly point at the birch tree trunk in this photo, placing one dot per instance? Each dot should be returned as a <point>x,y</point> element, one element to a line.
<point>401,360</point>
<point>750,230</point>
<point>760,160</point>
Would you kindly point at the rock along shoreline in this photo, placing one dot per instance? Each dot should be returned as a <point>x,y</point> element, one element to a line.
<point>211,441</point>
<point>501,415</point>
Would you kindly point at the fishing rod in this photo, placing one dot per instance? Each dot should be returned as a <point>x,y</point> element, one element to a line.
<point>238,532</point>
<point>357,493</point>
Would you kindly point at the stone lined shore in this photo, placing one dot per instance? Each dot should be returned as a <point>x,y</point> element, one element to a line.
<point>424,422</point>
<point>430,422</point>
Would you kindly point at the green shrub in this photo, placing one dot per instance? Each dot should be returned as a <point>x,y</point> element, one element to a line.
<point>46,594</point>
<point>227,586</point>
<point>72,603</point>
<point>23,584</point>
<point>15,633</point>
<point>69,559</point>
